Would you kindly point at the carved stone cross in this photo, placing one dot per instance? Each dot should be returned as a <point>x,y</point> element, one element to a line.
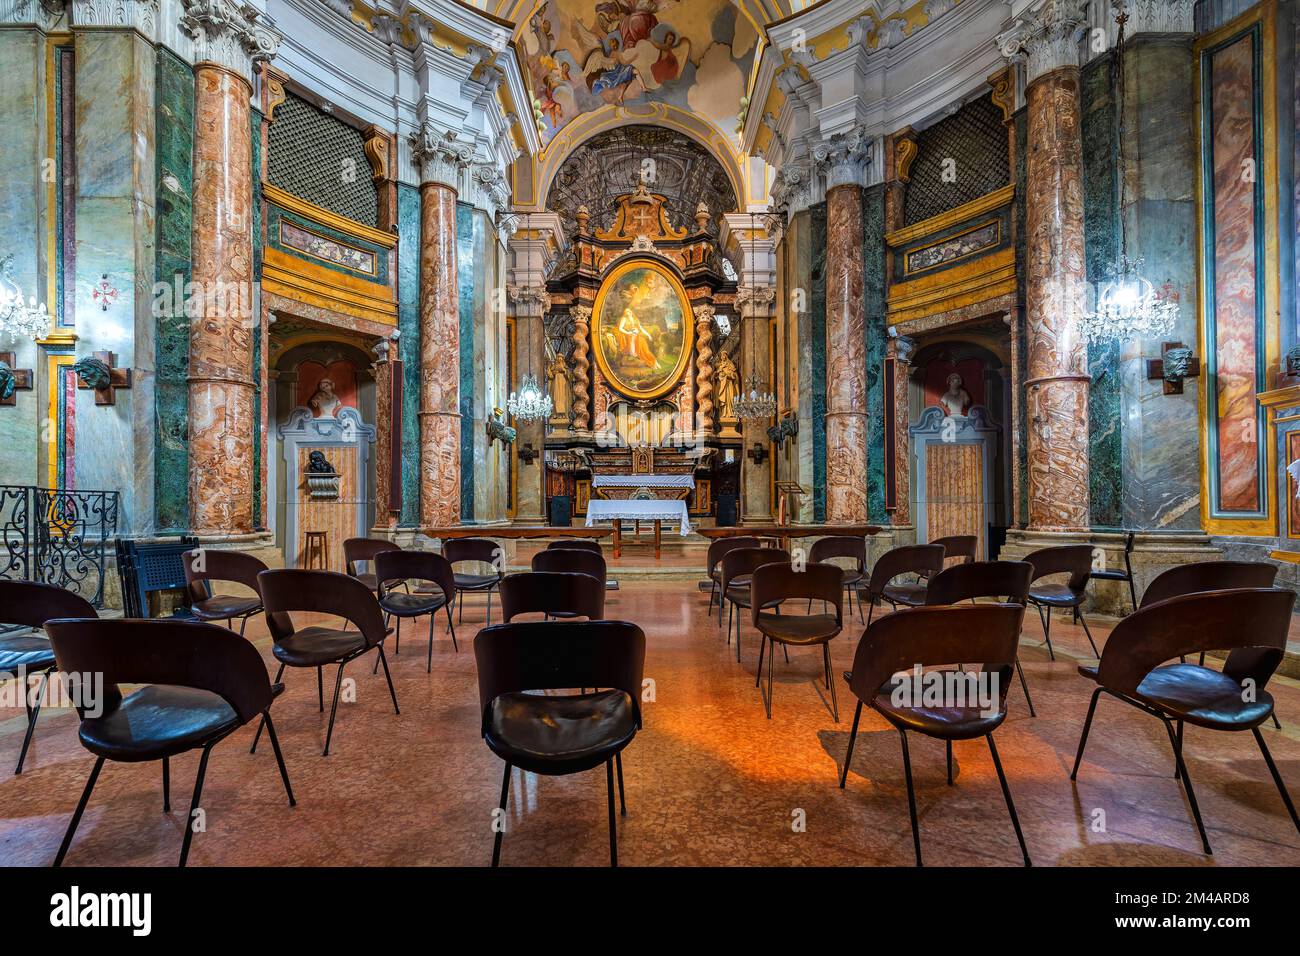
<point>12,378</point>
<point>99,372</point>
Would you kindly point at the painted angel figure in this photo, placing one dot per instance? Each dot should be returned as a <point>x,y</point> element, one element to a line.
<point>628,50</point>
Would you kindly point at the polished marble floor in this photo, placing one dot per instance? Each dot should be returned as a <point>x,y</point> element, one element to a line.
<point>710,781</point>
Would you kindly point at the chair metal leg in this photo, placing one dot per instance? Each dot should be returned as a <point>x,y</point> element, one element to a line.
<point>279,757</point>
<point>1025,687</point>
<point>1191,795</point>
<point>730,608</point>
<point>1277,777</point>
<point>76,814</point>
<point>451,627</point>
<point>771,658</point>
<point>489,607</point>
<point>334,709</point>
<point>194,804</point>
<point>320,687</point>
<point>397,639</point>
<point>762,646</point>
<point>432,617</point>
<point>853,736</point>
<point>1006,795</point>
<point>262,723</point>
<point>1083,739</point>
<point>33,711</point>
<point>383,659</point>
<point>1045,617</point>
<point>622,797</point>
<point>835,703</point>
<point>1275,721</point>
<point>911,798</point>
<point>713,592</point>
<point>948,748</point>
<point>167,785</point>
<point>871,607</point>
<point>243,624</point>
<point>501,828</point>
<point>1084,621</point>
<point>613,830</point>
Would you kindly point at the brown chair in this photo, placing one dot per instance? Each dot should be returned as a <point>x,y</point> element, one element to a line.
<point>922,560</point>
<point>1250,623</point>
<point>553,593</point>
<point>210,564</point>
<point>480,550</point>
<point>1074,560</point>
<point>203,683</point>
<point>737,566</point>
<point>958,546</point>
<point>560,735</point>
<point>901,643</point>
<point>357,550</point>
<point>573,560</point>
<point>435,588</point>
<point>713,562</point>
<point>31,604</point>
<point>1002,580</point>
<point>322,592</point>
<point>771,584</point>
<point>1115,574</point>
<point>843,546</point>
<point>577,544</point>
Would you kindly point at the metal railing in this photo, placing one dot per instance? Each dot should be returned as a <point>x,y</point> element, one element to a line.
<point>59,536</point>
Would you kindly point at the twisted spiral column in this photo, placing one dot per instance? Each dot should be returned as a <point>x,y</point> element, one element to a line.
<point>581,366</point>
<point>704,367</point>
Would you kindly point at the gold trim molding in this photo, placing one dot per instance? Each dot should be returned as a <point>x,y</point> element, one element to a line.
<point>324,217</point>
<point>976,207</point>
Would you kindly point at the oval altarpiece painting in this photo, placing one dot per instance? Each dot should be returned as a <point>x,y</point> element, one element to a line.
<point>643,330</point>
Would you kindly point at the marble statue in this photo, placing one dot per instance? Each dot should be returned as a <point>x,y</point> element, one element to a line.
<point>558,373</point>
<point>956,400</point>
<point>727,385</point>
<point>324,402</point>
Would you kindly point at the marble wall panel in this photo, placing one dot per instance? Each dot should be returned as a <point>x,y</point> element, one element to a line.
<point>408,346</point>
<point>873,299</point>
<point>817,357</point>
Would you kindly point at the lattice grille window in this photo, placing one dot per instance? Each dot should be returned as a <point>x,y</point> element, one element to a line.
<point>971,146</point>
<point>322,160</point>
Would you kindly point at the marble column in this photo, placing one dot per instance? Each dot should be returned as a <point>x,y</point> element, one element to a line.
<point>581,367</point>
<point>900,349</point>
<point>1055,279</point>
<point>229,41</point>
<point>441,159</point>
<point>757,307</point>
<point>846,361</point>
<point>530,356</point>
<point>704,369</point>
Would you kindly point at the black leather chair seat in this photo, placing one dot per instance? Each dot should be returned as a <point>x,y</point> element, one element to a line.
<point>368,579</point>
<point>559,735</point>
<point>476,582</point>
<point>739,594</point>
<point>909,594</point>
<point>1204,697</point>
<point>1054,595</point>
<point>158,721</point>
<point>31,652</point>
<point>314,646</point>
<point>412,605</point>
<point>944,723</point>
<point>798,628</point>
<point>851,576</point>
<point>1110,575</point>
<point>220,607</point>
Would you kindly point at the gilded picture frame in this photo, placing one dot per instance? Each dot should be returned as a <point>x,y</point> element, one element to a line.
<point>643,329</point>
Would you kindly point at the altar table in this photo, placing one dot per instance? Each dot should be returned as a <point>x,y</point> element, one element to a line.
<point>618,510</point>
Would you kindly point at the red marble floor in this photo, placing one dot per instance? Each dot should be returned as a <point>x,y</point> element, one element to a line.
<point>710,781</point>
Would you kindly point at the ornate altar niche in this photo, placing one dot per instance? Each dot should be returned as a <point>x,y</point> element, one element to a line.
<point>633,316</point>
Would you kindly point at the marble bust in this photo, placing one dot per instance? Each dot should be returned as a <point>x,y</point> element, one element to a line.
<point>956,400</point>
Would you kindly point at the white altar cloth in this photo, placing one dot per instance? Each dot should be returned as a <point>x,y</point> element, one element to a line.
<point>643,481</point>
<point>638,509</point>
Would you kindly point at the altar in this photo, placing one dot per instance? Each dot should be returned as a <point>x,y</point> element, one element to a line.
<point>656,510</point>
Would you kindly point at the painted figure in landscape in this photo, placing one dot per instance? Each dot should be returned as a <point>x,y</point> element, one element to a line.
<point>641,330</point>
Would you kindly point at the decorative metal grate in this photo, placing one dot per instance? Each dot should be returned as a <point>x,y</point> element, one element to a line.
<point>322,160</point>
<point>958,159</point>
<point>58,536</point>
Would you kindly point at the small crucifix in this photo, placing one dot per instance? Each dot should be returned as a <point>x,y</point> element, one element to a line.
<point>12,378</point>
<point>758,453</point>
<point>1176,364</point>
<point>100,373</point>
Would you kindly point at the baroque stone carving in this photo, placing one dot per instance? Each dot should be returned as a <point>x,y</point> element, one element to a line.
<point>229,33</point>
<point>704,367</point>
<point>846,158</point>
<point>439,156</point>
<point>1048,38</point>
<point>581,364</point>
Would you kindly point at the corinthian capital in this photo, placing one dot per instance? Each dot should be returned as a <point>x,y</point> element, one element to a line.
<point>1156,16</point>
<point>846,158</point>
<point>1048,38</point>
<point>755,300</point>
<point>38,13</point>
<point>230,34</point>
<point>440,157</point>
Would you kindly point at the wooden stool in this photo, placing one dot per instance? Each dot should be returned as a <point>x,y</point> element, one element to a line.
<point>316,549</point>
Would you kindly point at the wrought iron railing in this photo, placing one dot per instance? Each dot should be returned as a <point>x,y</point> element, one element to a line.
<point>59,536</point>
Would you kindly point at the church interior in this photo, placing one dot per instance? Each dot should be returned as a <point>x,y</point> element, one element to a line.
<point>933,362</point>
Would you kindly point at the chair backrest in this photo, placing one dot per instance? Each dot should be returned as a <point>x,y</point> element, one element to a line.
<point>577,544</point>
<point>1004,580</point>
<point>776,582</point>
<point>365,549</point>
<point>188,654</point>
<point>571,559</point>
<point>552,592</point>
<point>721,546</point>
<point>546,655</point>
<point>1208,576</point>
<point>840,546</point>
<point>958,546</point>
<point>31,603</point>
<point>394,566</point>
<point>923,559</point>
<point>1254,620</point>
<point>984,634</point>
<point>212,564</point>
<point>743,561</point>
<point>484,550</point>
<point>285,590</point>
<point>1072,559</point>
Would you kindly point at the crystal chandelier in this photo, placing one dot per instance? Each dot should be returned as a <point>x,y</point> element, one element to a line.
<point>19,319</point>
<point>530,404</point>
<point>1128,305</point>
<point>755,402</point>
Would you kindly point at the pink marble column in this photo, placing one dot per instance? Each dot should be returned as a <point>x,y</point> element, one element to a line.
<point>439,359</point>
<point>1055,299</point>
<point>846,362</point>
<point>221,347</point>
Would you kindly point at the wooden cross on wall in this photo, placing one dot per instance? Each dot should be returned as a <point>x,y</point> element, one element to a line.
<point>22,376</point>
<point>117,378</point>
